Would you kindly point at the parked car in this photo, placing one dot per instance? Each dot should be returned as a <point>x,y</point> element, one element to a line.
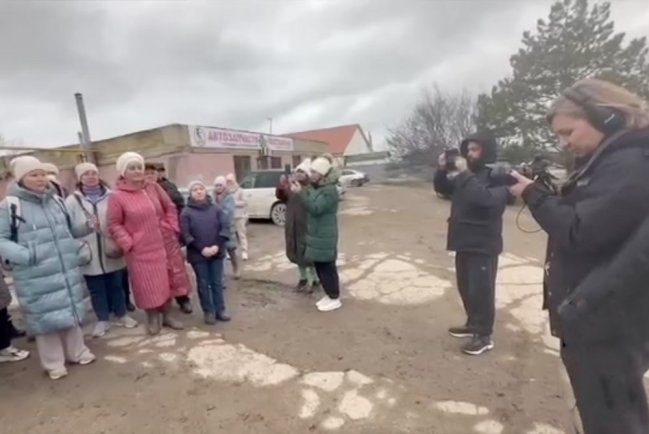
<point>259,191</point>
<point>354,178</point>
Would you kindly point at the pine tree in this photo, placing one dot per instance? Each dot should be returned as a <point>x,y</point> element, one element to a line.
<point>574,43</point>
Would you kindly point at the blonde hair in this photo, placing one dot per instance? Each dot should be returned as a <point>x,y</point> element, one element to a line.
<point>604,94</point>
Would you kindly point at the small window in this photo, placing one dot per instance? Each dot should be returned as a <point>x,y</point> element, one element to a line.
<point>267,179</point>
<point>297,159</point>
<point>275,162</point>
<point>248,181</point>
<point>262,163</point>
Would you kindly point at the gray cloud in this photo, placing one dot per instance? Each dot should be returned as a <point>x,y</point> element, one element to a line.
<point>308,64</point>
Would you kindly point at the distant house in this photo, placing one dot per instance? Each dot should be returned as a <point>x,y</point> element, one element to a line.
<point>343,141</point>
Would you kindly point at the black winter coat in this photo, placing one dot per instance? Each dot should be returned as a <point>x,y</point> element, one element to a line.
<point>596,286</point>
<point>295,229</point>
<point>174,194</point>
<point>478,204</point>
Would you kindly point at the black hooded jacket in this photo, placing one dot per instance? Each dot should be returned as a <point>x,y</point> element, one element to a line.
<point>478,202</point>
<point>597,268</point>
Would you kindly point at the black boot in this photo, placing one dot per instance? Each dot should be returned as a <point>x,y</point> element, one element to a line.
<point>184,304</point>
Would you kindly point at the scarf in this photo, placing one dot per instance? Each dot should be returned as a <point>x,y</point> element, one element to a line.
<point>93,194</point>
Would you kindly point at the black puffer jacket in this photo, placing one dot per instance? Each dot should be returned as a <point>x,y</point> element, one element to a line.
<point>597,272</point>
<point>174,194</point>
<point>478,203</point>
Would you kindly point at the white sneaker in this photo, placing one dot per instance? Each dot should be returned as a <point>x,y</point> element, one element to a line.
<point>101,328</point>
<point>244,256</point>
<point>333,304</point>
<point>13,354</point>
<point>126,322</point>
<point>87,359</point>
<point>57,374</point>
<point>323,300</point>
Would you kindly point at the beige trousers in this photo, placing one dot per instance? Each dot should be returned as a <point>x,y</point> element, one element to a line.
<point>55,348</point>
<point>240,231</point>
<point>571,401</point>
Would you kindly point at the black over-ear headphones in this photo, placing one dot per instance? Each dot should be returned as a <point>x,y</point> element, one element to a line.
<point>606,119</point>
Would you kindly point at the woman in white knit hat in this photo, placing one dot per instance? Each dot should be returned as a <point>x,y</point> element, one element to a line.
<point>104,273</point>
<point>321,202</point>
<point>53,176</point>
<point>38,238</point>
<point>295,229</point>
<point>205,233</point>
<point>240,213</point>
<point>144,223</point>
<point>225,201</point>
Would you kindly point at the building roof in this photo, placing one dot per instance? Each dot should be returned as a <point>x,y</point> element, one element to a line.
<point>337,138</point>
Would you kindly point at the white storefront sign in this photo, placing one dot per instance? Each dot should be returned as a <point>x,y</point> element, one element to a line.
<point>219,138</point>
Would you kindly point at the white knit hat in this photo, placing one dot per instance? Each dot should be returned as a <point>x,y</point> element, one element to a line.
<point>21,166</point>
<point>82,168</point>
<point>219,180</point>
<point>304,166</point>
<point>127,158</point>
<point>51,168</point>
<point>194,183</point>
<point>321,165</point>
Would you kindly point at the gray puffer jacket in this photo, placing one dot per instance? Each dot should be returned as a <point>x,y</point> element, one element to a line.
<point>45,259</point>
<point>106,255</point>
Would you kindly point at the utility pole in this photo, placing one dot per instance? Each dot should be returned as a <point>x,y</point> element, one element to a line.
<point>270,126</point>
<point>84,136</point>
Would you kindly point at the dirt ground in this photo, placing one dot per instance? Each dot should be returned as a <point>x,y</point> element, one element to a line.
<point>382,364</point>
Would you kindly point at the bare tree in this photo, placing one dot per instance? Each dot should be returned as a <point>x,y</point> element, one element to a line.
<point>439,120</point>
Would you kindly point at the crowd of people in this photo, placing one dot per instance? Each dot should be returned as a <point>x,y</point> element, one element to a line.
<point>133,241</point>
<point>132,236</point>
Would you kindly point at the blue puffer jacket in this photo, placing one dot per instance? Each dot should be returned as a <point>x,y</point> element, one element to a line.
<point>45,261</point>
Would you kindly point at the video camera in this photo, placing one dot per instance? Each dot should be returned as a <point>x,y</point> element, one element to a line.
<point>537,171</point>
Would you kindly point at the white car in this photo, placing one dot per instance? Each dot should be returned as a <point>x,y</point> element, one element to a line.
<point>259,188</point>
<point>259,191</point>
<point>353,178</point>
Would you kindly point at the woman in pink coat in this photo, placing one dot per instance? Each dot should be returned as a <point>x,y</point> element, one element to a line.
<point>144,223</point>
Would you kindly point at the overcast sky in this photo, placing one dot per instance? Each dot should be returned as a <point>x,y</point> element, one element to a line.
<point>235,63</point>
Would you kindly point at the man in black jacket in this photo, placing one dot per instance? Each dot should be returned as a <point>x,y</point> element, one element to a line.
<point>171,188</point>
<point>475,234</point>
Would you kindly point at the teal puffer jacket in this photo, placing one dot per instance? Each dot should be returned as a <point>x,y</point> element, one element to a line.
<point>45,261</point>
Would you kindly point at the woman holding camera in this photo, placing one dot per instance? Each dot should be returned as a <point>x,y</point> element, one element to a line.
<point>597,266</point>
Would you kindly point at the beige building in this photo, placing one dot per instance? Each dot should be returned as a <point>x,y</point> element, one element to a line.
<point>187,151</point>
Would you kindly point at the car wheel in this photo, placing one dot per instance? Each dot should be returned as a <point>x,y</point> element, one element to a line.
<point>278,214</point>
<point>357,183</point>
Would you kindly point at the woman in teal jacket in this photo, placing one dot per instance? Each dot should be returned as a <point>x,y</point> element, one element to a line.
<point>321,202</point>
<point>36,238</point>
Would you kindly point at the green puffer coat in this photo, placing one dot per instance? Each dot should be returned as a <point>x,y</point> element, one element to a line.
<point>321,202</point>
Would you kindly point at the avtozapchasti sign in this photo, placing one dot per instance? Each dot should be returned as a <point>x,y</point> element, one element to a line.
<point>220,138</point>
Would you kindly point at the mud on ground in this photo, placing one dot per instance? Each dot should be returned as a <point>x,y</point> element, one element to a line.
<point>382,364</point>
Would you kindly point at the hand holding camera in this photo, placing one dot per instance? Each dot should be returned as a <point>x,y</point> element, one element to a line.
<point>519,183</point>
